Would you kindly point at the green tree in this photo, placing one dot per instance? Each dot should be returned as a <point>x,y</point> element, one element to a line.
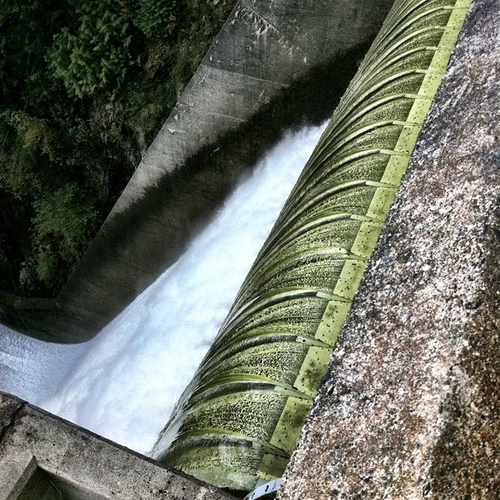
<point>95,54</point>
<point>26,29</point>
<point>159,18</point>
<point>63,222</point>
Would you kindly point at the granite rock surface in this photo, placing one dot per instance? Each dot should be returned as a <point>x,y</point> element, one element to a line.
<point>410,407</point>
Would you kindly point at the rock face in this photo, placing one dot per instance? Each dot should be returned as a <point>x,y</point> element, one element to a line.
<point>410,407</point>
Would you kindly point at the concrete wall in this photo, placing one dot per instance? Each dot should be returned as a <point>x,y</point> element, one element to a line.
<point>43,457</point>
<point>274,64</point>
<point>410,407</point>
<point>411,404</point>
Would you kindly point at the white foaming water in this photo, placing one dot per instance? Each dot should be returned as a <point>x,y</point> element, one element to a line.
<point>124,383</point>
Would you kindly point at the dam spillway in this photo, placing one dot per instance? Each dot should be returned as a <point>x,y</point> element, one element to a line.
<point>273,65</point>
<point>445,392</point>
<point>136,368</point>
<point>238,422</point>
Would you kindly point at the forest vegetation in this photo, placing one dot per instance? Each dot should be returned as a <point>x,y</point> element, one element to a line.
<point>85,86</point>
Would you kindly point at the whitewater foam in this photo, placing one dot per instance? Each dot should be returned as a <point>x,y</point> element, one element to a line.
<point>124,383</point>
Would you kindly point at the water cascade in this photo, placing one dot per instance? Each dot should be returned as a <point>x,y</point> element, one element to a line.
<point>123,382</point>
<point>237,423</point>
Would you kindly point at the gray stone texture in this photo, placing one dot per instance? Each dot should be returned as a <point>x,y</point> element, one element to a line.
<point>410,407</point>
<point>264,49</point>
<point>43,457</point>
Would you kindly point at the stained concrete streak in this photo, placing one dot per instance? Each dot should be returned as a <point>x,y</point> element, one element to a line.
<point>410,407</point>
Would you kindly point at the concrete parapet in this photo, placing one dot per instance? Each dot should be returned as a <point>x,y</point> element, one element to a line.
<point>46,458</point>
<point>410,407</point>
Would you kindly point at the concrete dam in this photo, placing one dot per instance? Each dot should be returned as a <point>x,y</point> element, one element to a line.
<point>415,367</point>
<point>273,65</point>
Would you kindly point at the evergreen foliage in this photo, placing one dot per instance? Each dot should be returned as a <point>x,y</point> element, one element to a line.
<point>158,18</point>
<point>66,216</point>
<point>84,88</point>
<point>96,53</point>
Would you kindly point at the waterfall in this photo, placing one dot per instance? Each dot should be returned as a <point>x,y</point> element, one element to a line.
<point>239,421</point>
<point>124,383</point>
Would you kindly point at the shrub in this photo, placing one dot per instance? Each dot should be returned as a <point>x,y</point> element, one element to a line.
<point>68,217</point>
<point>94,55</point>
<point>158,18</point>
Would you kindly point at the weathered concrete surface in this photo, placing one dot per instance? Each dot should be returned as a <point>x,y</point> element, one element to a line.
<point>411,405</point>
<point>274,64</point>
<point>42,456</point>
<point>262,48</point>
